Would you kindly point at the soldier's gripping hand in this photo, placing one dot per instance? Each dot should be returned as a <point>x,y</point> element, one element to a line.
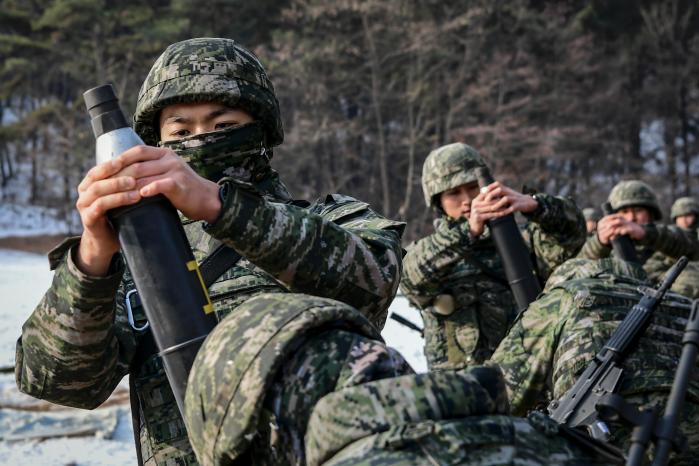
<point>497,200</point>
<point>614,225</point>
<point>100,191</point>
<point>159,170</point>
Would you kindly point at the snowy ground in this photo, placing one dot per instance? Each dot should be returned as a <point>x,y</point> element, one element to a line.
<point>23,279</point>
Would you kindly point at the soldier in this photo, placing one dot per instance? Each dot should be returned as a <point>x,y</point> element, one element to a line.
<point>455,276</point>
<point>552,342</point>
<point>685,213</point>
<point>294,379</point>
<point>658,246</point>
<point>636,213</point>
<point>591,218</point>
<point>199,99</point>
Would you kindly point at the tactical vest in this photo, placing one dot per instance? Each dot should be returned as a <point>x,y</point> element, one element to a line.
<point>481,309</point>
<point>597,306</point>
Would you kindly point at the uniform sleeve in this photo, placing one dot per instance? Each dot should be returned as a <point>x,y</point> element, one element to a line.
<point>556,231</point>
<point>594,249</point>
<point>526,354</point>
<point>340,249</point>
<point>69,352</point>
<point>431,259</point>
<point>671,240</point>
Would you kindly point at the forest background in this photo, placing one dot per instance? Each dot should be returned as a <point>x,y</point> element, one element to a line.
<point>568,97</point>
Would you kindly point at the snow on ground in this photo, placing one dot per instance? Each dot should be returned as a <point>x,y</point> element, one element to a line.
<point>23,279</point>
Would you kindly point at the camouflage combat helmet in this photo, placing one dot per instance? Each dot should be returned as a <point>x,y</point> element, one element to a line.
<point>448,167</point>
<point>591,214</point>
<point>634,193</point>
<point>208,70</point>
<point>684,206</point>
<point>239,359</point>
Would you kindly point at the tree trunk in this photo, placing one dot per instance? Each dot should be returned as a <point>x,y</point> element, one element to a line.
<point>378,117</point>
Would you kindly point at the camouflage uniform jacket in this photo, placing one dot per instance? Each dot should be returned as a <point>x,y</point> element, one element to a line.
<point>77,345</point>
<point>688,281</point>
<point>552,342</point>
<point>450,266</point>
<point>657,251</point>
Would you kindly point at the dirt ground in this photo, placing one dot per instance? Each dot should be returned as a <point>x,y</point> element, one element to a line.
<point>40,244</point>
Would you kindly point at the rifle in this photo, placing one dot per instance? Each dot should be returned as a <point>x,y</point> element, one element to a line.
<point>622,245</point>
<point>579,406</point>
<point>647,425</point>
<point>514,254</point>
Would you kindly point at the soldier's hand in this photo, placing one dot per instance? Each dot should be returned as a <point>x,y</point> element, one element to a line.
<point>497,200</point>
<point>99,192</point>
<point>614,225</point>
<point>160,171</point>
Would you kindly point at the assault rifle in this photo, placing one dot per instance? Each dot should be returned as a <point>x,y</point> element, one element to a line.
<point>514,254</point>
<point>622,245</point>
<point>579,406</point>
<point>648,426</point>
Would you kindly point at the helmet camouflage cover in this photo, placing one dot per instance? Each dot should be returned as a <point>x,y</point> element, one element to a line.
<point>634,193</point>
<point>448,167</point>
<point>208,70</point>
<point>684,206</point>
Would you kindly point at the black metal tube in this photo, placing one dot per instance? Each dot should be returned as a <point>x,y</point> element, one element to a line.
<point>513,252</point>
<point>157,253</point>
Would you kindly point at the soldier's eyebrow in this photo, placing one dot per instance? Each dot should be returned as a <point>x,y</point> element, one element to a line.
<point>176,119</point>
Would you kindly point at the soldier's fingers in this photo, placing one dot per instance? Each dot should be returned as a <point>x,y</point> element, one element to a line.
<point>100,172</point>
<point>141,154</point>
<point>103,188</point>
<point>502,203</point>
<point>98,209</point>
<point>495,193</point>
<point>167,186</point>
<point>148,168</point>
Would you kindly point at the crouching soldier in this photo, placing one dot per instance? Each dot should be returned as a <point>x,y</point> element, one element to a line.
<point>296,379</point>
<point>554,340</point>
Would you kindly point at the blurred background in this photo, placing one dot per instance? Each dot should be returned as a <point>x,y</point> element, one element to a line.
<point>563,96</point>
<point>568,97</point>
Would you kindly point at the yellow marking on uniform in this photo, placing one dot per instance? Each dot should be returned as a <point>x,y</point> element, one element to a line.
<point>192,266</point>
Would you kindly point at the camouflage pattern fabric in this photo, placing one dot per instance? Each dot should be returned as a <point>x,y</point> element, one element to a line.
<point>448,417</point>
<point>662,245</point>
<point>239,359</point>
<point>553,341</point>
<point>208,70</point>
<point>448,167</point>
<point>77,345</point>
<point>235,152</point>
<point>634,193</point>
<point>684,206</point>
<point>466,310</point>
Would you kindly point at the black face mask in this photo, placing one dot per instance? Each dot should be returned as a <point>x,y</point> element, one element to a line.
<point>236,152</point>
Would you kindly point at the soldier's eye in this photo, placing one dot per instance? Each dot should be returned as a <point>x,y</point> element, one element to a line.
<point>180,133</point>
